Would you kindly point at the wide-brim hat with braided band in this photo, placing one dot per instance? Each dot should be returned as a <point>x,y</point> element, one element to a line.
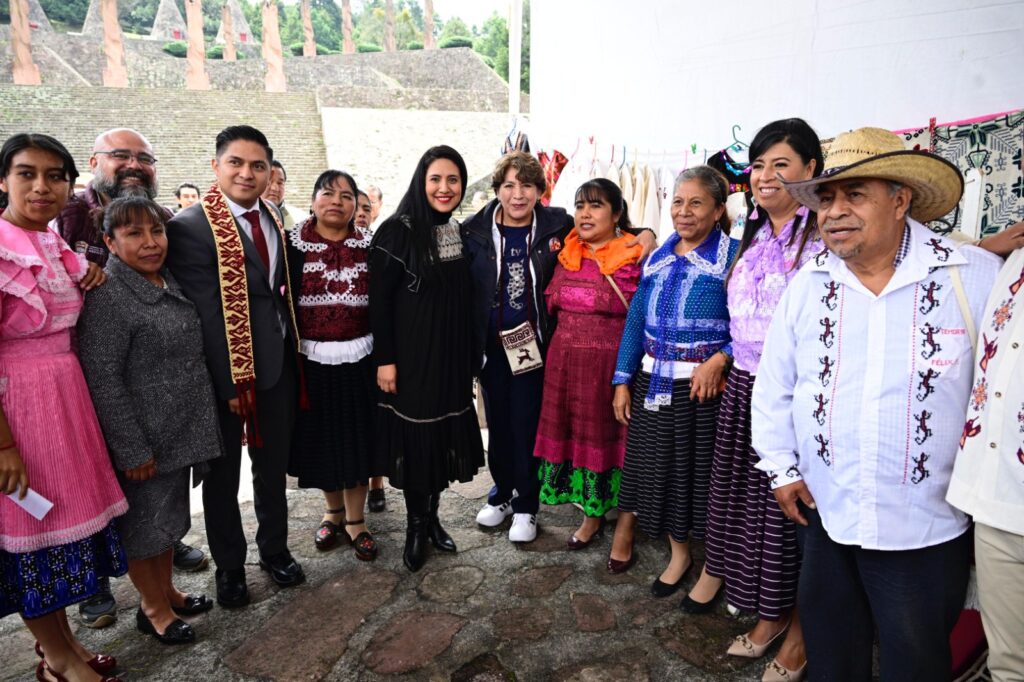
<point>935,184</point>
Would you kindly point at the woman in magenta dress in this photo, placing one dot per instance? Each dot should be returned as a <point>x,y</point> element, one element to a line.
<point>50,440</point>
<point>580,444</point>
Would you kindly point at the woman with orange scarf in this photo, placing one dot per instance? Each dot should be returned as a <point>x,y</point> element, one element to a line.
<point>579,442</point>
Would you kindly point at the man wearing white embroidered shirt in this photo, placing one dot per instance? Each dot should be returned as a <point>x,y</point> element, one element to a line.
<point>858,405</point>
<point>988,478</point>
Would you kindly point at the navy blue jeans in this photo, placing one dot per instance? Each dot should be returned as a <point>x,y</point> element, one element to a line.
<point>513,405</point>
<point>912,597</point>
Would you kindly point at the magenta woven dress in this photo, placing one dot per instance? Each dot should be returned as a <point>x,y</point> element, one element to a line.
<point>580,443</point>
<point>48,564</point>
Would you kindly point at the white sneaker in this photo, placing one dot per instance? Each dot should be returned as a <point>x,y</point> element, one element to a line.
<point>524,528</point>
<point>492,516</point>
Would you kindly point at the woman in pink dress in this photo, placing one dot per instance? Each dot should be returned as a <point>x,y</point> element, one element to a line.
<point>580,444</point>
<point>50,440</point>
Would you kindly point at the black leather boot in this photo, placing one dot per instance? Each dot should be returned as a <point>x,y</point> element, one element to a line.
<point>439,538</point>
<point>416,531</point>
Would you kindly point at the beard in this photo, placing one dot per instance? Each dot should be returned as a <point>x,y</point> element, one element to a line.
<point>114,187</point>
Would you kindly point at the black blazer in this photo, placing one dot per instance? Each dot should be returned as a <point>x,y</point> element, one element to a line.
<point>192,257</point>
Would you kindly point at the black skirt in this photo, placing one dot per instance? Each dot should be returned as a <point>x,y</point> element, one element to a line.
<point>333,446</point>
<point>428,432</point>
<point>666,475</point>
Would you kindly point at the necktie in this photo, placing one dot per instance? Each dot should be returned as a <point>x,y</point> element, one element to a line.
<point>258,238</point>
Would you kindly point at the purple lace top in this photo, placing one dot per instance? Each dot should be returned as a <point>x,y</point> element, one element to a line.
<point>761,274</point>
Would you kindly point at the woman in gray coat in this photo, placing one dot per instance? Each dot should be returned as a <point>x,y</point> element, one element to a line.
<point>141,348</point>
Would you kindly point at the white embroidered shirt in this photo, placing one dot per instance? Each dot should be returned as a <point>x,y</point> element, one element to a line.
<point>863,396</point>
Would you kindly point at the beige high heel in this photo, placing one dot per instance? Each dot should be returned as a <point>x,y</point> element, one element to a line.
<point>776,672</point>
<point>744,647</point>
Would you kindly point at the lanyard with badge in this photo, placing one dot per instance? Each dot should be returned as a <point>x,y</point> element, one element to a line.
<point>520,342</point>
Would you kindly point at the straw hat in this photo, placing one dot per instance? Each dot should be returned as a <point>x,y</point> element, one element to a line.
<point>935,184</point>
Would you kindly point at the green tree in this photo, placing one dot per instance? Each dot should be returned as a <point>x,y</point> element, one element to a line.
<point>405,29</point>
<point>454,28</point>
<point>492,42</point>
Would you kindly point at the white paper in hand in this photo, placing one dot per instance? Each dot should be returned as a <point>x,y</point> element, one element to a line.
<point>34,503</point>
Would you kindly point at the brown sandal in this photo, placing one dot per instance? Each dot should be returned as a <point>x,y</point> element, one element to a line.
<point>363,544</point>
<point>326,537</point>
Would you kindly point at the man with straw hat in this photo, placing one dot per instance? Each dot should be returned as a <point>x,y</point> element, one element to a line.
<point>859,404</point>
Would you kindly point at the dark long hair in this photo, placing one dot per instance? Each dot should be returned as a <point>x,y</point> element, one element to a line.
<point>801,137</point>
<point>21,142</point>
<point>602,188</point>
<point>328,178</point>
<point>417,209</point>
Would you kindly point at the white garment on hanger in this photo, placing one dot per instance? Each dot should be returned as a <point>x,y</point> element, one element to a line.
<point>652,207</point>
<point>639,193</point>
<point>626,185</point>
<point>666,185</point>
<point>611,174</point>
<point>564,194</point>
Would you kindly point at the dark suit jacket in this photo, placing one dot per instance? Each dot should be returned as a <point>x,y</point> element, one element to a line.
<point>192,257</point>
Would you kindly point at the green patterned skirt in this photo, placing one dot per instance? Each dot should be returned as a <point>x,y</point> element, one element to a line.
<point>563,483</point>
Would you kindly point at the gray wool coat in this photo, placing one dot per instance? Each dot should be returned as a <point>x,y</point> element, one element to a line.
<point>141,348</point>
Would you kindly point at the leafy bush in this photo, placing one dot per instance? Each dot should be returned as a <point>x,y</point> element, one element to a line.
<point>414,45</point>
<point>215,52</point>
<point>176,48</point>
<point>296,49</point>
<point>457,41</point>
<point>368,48</point>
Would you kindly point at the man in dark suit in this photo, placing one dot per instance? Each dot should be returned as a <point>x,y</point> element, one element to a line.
<point>253,365</point>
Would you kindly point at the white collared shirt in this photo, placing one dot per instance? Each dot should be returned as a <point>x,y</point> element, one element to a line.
<point>988,478</point>
<point>269,230</point>
<point>863,396</point>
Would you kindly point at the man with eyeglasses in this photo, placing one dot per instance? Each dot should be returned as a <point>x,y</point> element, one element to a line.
<point>123,164</point>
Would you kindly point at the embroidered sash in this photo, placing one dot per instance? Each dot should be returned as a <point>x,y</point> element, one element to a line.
<point>234,297</point>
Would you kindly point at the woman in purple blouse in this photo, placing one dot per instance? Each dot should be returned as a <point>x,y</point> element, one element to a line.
<point>751,546</point>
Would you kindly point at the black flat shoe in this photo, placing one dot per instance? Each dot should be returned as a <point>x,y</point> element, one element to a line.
<point>375,501</point>
<point>660,589</point>
<point>194,605</point>
<point>283,569</point>
<point>178,632</point>
<point>232,592</point>
<point>363,543</point>
<point>697,608</point>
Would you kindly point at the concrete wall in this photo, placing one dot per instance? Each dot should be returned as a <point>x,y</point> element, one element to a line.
<point>381,147</point>
<point>181,126</point>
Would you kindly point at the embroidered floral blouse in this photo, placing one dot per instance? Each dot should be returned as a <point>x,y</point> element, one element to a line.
<point>760,276</point>
<point>334,291</point>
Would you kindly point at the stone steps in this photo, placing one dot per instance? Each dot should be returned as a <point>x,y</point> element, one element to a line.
<point>180,124</point>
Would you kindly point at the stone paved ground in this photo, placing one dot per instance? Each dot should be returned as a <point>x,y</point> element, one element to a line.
<point>492,612</point>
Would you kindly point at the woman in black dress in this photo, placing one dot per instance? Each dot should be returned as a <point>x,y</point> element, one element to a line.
<point>421,319</point>
<point>333,444</point>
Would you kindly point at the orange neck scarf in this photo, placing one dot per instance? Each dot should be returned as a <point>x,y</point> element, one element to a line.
<point>609,257</point>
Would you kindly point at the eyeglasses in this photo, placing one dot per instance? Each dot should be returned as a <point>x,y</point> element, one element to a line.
<point>124,156</point>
